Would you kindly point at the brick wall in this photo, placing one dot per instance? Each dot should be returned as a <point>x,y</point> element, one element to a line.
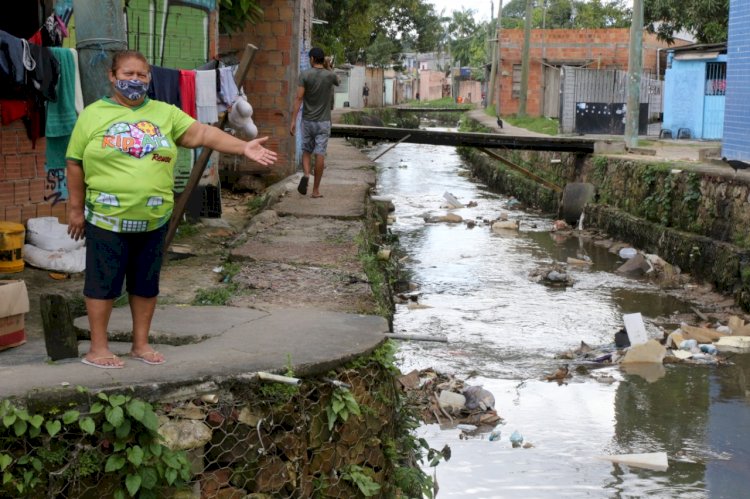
<point>595,48</point>
<point>271,80</point>
<point>737,111</point>
<point>24,190</point>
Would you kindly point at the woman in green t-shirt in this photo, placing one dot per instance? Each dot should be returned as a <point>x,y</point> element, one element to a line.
<point>120,163</point>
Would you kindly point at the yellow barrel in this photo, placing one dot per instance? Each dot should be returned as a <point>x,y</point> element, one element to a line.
<point>11,247</point>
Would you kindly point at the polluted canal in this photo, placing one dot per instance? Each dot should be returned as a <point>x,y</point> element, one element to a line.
<point>506,332</point>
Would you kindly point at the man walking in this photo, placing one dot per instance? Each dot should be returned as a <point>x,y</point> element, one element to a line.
<point>314,90</point>
<point>365,94</point>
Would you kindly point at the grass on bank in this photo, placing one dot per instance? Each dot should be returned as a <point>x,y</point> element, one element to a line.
<point>540,124</point>
<point>440,103</point>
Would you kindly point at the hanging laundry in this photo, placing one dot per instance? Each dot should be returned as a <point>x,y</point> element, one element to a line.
<point>228,90</point>
<point>12,68</point>
<point>46,72</point>
<point>165,85</point>
<point>61,115</point>
<point>12,110</point>
<point>78,90</point>
<point>187,91</point>
<point>205,96</point>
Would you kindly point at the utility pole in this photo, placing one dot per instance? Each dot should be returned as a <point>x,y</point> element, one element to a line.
<point>495,63</point>
<point>100,31</point>
<point>525,59</point>
<point>635,68</point>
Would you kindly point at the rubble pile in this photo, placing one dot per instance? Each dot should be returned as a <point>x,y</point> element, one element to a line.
<point>446,400</point>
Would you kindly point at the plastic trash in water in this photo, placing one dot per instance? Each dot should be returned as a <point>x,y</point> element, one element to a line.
<point>516,439</point>
<point>495,435</point>
<point>452,201</point>
<point>710,349</point>
<point>627,253</point>
<point>688,345</point>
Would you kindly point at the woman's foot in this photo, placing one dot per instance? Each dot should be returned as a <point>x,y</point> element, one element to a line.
<point>103,360</point>
<point>149,356</point>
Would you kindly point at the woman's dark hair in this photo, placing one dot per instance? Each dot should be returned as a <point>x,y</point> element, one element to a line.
<point>122,55</point>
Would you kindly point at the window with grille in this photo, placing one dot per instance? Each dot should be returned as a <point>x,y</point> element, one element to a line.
<point>716,78</point>
<point>516,88</point>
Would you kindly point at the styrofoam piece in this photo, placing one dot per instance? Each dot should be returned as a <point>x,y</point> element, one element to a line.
<point>737,344</point>
<point>451,400</point>
<point>635,328</point>
<point>656,461</point>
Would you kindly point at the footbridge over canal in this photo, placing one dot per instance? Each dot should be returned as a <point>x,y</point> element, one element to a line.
<point>575,195</point>
<point>466,139</point>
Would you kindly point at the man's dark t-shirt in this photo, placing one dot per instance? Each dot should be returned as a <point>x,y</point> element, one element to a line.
<point>318,85</point>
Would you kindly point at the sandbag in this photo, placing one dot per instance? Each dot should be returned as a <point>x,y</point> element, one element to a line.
<point>48,234</point>
<point>67,261</point>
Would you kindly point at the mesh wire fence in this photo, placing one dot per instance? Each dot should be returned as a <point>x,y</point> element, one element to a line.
<point>326,437</point>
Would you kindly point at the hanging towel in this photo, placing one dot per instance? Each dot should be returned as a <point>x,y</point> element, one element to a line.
<point>165,85</point>
<point>205,96</point>
<point>187,91</point>
<point>61,114</point>
<point>79,92</point>
<point>228,90</point>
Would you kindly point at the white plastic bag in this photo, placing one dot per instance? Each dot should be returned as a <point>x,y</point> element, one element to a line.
<point>67,261</point>
<point>48,234</point>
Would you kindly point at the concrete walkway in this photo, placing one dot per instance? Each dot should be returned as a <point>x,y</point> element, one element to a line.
<point>267,328</point>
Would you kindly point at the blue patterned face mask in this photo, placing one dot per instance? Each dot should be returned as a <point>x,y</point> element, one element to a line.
<point>131,89</point>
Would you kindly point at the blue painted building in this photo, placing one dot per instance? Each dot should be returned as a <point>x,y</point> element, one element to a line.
<point>737,121</point>
<point>695,85</point>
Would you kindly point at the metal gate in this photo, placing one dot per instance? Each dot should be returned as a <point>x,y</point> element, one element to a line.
<point>551,102</point>
<point>713,100</point>
<point>594,101</point>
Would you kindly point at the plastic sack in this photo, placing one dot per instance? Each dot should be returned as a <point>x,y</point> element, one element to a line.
<point>48,234</point>
<point>66,261</point>
<point>627,253</point>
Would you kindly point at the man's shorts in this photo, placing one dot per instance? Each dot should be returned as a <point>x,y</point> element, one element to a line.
<point>113,257</point>
<point>315,136</point>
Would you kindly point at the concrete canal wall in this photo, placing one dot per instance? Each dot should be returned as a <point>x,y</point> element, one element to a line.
<point>696,216</point>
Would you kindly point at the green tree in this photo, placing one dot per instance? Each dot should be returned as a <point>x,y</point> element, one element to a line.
<point>706,19</point>
<point>467,39</point>
<point>353,26</point>
<point>582,14</point>
<point>381,52</point>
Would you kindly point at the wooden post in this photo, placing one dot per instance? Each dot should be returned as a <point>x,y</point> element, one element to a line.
<point>200,164</point>
<point>59,334</point>
<point>635,66</point>
<point>525,59</point>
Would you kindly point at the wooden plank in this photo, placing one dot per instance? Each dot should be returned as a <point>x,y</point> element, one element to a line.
<point>200,164</point>
<point>432,109</point>
<point>59,334</point>
<point>523,171</point>
<point>467,139</point>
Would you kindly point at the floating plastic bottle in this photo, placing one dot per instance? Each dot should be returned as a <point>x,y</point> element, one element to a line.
<point>516,439</point>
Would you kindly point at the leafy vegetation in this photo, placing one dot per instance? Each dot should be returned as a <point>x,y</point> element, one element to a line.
<point>115,441</point>
<point>708,20</point>
<point>234,14</point>
<point>390,25</point>
<point>571,14</point>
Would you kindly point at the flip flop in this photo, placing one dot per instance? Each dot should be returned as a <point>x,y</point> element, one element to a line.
<point>94,363</point>
<point>302,187</point>
<point>145,360</point>
<point>318,196</point>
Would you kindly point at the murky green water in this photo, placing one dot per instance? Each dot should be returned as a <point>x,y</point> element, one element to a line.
<point>508,329</point>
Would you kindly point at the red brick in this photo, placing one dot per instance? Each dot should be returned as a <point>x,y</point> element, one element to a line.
<point>28,166</point>
<point>6,194</point>
<point>281,28</point>
<point>36,190</point>
<point>28,211</point>
<point>43,209</point>
<point>13,214</point>
<point>12,168</point>
<point>60,210</point>
<point>21,192</point>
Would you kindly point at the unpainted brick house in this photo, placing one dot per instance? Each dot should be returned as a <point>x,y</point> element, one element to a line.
<point>553,48</point>
<point>180,34</point>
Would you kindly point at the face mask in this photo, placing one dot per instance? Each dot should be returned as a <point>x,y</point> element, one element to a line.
<point>131,89</point>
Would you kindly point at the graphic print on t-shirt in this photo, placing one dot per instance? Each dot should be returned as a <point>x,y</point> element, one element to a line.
<point>135,139</point>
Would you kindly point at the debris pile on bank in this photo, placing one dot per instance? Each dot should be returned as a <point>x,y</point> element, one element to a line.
<point>446,400</point>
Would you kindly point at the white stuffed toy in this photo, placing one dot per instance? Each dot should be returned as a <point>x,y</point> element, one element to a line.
<point>241,117</point>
